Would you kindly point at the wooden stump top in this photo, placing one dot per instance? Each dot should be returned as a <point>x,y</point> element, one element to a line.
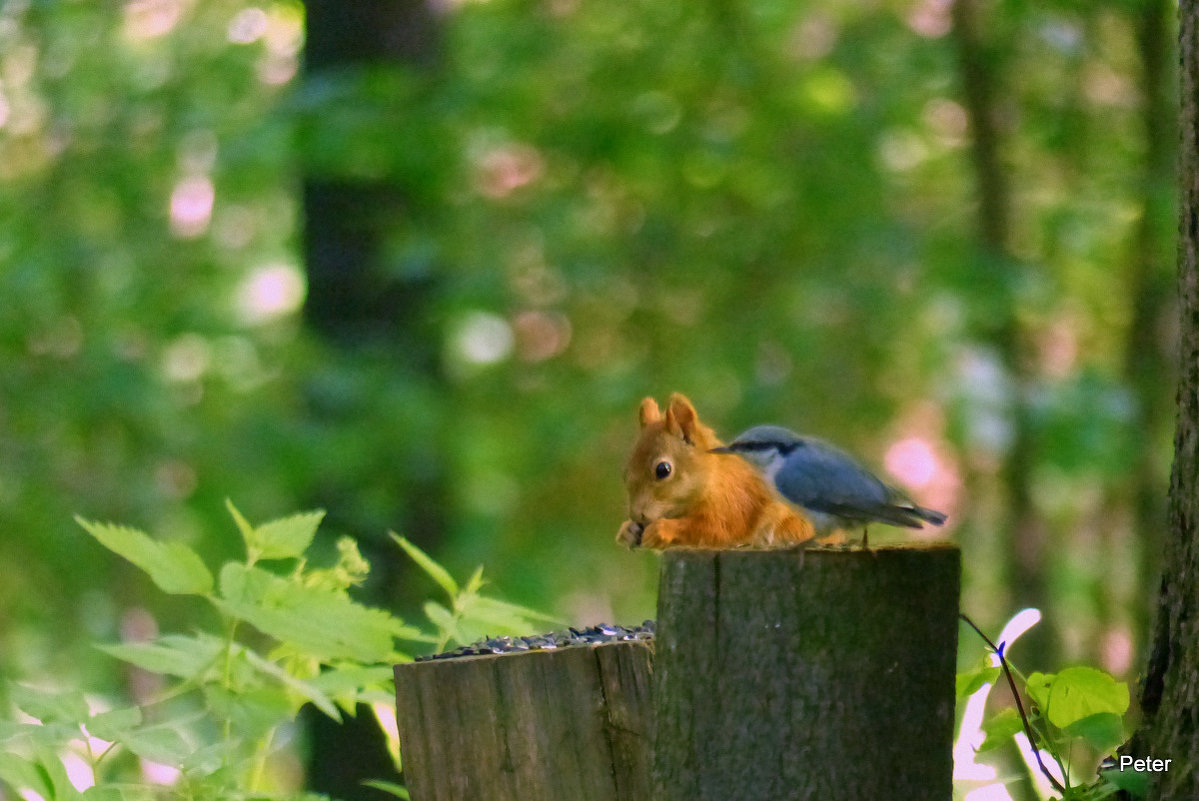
<point>549,725</point>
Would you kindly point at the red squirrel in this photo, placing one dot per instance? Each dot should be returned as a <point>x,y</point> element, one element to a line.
<point>682,494</point>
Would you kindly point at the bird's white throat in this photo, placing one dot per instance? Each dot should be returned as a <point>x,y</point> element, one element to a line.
<point>773,465</point>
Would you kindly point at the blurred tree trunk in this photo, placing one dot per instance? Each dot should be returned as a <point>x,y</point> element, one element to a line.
<point>1026,549</point>
<point>378,319</point>
<point>352,297</point>
<point>1170,691</point>
<point>1146,362</point>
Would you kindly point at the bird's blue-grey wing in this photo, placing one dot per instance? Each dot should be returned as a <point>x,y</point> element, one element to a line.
<point>823,478</point>
<point>820,476</point>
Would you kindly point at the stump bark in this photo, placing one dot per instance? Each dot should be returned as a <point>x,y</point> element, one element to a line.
<point>573,723</point>
<point>806,674</point>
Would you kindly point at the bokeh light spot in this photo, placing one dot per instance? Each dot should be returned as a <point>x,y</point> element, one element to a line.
<point>191,206</point>
<point>270,292</point>
<point>912,461</point>
<point>483,338</point>
<point>148,19</point>
<point>247,26</point>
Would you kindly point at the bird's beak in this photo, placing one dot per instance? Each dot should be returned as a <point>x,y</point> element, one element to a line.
<point>721,449</point>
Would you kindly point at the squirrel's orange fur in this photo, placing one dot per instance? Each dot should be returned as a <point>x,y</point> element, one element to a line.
<point>682,494</point>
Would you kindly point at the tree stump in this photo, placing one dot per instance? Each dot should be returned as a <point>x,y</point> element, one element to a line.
<point>572,724</point>
<point>806,674</point>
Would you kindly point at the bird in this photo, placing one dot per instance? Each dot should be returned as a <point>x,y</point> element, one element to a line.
<point>826,483</point>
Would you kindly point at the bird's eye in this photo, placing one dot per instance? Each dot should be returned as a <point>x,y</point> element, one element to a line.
<point>662,469</point>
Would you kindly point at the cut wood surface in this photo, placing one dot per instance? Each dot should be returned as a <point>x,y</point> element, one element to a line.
<point>571,724</point>
<point>806,674</point>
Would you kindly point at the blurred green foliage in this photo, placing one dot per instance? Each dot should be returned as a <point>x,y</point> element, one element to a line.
<point>766,206</point>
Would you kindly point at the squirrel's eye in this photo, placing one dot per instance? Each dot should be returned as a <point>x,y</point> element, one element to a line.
<point>662,469</point>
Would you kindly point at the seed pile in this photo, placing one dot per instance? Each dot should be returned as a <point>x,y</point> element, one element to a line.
<point>592,635</point>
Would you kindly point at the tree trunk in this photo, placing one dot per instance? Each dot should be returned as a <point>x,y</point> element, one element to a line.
<point>1170,692</point>
<point>1146,362</point>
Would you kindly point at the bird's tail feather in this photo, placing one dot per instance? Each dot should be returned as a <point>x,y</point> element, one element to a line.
<point>910,516</point>
<point>930,515</point>
<point>916,514</point>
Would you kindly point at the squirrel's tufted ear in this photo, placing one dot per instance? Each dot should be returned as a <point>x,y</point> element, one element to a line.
<point>649,412</point>
<point>681,418</point>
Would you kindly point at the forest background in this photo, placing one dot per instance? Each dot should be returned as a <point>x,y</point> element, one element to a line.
<point>418,268</point>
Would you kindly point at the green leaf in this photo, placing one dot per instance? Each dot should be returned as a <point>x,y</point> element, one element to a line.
<point>442,618</point>
<point>349,684</point>
<point>101,792</point>
<point>475,582</point>
<point>50,706</point>
<point>413,634</point>
<point>316,621</point>
<point>164,743</point>
<point>9,730</point>
<point>1103,731</point>
<point>1080,692</point>
<point>252,713</point>
<point>49,763</point>
<point>53,734</point>
<point>243,525</point>
<point>305,689</point>
<point>286,538</point>
<point>116,724</point>
<point>1038,686</point>
<point>435,571</point>
<point>999,728</point>
<point>970,682</point>
<point>206,760</point>
<point>172,655</point>
<point>500,614</point>
<point>1133,782</point>
<point>22,774</point>
<point>398,790</point>
<point>350,564</point>
<point>174,567</point>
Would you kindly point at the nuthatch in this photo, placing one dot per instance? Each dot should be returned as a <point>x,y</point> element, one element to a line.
<point>832,489</point>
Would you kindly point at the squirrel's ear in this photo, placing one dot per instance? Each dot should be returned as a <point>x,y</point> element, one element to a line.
<point>681,418</point>
<point>649,412</point>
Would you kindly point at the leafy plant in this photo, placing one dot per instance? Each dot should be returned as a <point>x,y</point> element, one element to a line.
<point>290,634</point>
<point>1079,711</point>
<point>470,614</point>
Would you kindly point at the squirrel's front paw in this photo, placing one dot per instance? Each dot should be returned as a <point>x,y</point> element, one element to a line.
<point>630,534</point>
<point>660,534</point>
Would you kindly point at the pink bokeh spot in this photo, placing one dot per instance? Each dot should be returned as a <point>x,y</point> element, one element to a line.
<point>191,206</point>
<point>912,461</point>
